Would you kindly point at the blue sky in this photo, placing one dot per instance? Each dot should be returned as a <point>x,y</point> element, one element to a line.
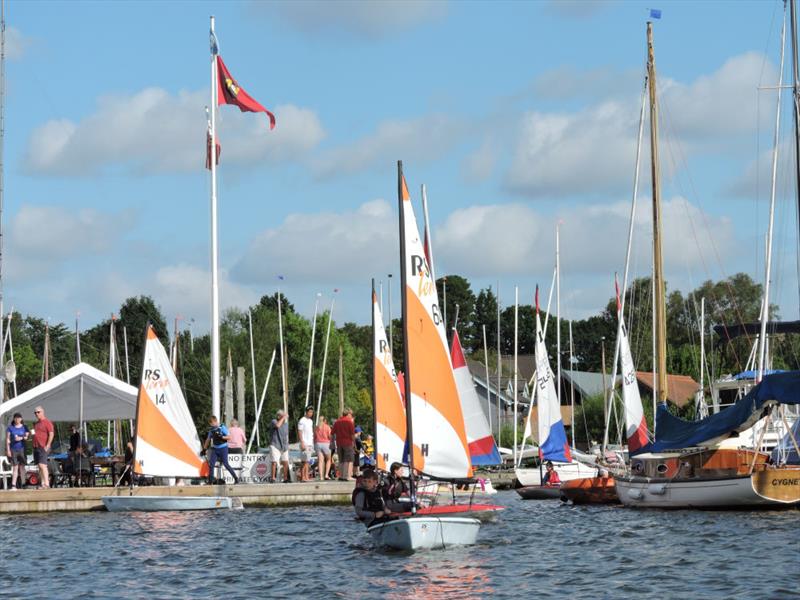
<point>515,115</point>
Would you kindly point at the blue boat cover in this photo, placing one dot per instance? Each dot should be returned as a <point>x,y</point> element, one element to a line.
<point>752,374</point>
<point>673,433</point>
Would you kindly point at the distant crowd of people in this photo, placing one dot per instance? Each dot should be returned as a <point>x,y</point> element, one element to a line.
<point>326,451</point>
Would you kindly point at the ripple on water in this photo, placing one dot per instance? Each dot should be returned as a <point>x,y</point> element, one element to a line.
<point>537,549</point>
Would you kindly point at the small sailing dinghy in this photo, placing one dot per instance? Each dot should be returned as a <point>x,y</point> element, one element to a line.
<point>435,433</point>
<point>553,444</point>
<point>166,442</point>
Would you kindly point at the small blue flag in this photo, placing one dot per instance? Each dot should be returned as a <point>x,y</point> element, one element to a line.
<point>655,13</point>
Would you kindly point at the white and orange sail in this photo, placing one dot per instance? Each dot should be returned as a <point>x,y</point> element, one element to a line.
<point>166,442</point>
<point>482,449</point>
<point>436,415</point>
<point>635,423</point>
<point>390,411</point>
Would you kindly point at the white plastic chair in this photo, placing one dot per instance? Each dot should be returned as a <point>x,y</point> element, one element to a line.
<point>6,471</point>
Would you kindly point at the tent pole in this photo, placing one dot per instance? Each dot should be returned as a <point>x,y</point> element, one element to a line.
<point>82,426</point>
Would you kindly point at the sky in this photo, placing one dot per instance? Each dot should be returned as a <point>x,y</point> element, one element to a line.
<point>516,116</point>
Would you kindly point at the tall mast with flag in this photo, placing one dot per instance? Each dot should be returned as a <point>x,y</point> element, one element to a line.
<point>224,90</point>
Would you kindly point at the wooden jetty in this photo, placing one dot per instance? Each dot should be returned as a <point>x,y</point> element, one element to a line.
<point>88,498</point>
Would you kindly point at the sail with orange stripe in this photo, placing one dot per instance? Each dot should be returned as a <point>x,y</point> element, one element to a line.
<point>390,411</point>
<point>166,442</point>
<point>436,417</point>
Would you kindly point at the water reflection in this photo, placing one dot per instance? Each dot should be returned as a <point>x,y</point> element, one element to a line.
<point>441,574</point>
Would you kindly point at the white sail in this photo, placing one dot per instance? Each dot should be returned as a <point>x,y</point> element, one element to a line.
<point>166,441</point>
<point>635,424</point>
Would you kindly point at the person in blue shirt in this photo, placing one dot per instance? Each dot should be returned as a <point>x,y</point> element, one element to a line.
<point>16,434</point>
<point>217,438</point>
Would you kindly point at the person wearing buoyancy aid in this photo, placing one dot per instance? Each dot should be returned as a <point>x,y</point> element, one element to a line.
<point>395,490</point>
<point>218,440</point>
<point>368,501</point>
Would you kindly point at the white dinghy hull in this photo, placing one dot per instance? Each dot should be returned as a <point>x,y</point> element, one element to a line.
<point>566,472</point>
<point>419,533</point>
<point>168,503</point>
<point>730,492</point>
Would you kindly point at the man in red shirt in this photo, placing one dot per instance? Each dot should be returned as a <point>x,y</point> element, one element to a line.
<point>344,431</point>
<point>42,440</point>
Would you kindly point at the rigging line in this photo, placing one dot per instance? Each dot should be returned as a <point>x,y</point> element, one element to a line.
<point>710,238</point>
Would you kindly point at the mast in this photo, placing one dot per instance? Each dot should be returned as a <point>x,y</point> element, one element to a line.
<point>406,361</point>
<point>255,387</point>
<point>701,405</point>
<point>621,311</point>
<point>372,368</point>
<point>311,351</point>
<point>762,347</point>
<point>499,366</point>
<point>215,368</point>
<point>325,357</point>
<point>283,360</point>
<point>516,348</point>
<point>488,391</point>
<point>77,340</point>
<point>127,362</point>
<point>389,290</point>
<point>558,316</point>
<point>571,387</point>
<point>796,113</point>
<point>2,168</point>
<point>658,280</point>
<point>428,238</point>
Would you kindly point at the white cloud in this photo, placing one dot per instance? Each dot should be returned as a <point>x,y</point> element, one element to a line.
<point>508,239</point>
<point>425,138</point>
<point>356,17</point>
<point>325,247</point>
<point>592,150</point>
<point>42,238</point>
<point>724,103</point>
<point>560,154</point>
<point>153,131</point>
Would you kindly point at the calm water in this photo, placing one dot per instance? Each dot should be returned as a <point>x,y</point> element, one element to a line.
<point>536,549</point>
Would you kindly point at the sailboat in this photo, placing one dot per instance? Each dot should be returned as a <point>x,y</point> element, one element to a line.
<point>683,467</point>
<point>553,444</point>
<point>166,443</point>
<point>602,488</point>
<point>436,440</point>
<point>388,406</point>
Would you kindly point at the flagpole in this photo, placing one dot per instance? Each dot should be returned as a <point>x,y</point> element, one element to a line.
<point>215,399</point>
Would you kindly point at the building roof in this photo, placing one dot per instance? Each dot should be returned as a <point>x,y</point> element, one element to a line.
<point>587,383</point>
<point>680,388</point>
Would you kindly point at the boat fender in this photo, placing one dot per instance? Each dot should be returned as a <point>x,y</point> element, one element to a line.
<point>658,489</point>
<point>635,494</point>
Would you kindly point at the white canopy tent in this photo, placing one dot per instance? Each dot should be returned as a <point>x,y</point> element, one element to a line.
<point>79,394</point>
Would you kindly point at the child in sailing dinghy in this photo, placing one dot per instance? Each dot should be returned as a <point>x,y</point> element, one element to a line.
<point>551,478</point>
<point>368,501</point>
<point>395,490</point>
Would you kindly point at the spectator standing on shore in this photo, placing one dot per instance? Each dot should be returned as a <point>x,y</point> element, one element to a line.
<point>279,445</point>
<point>305,435</point>
<point>43,433</point>
<point>344,433</point>
<point>16,434</point>
<point>74,438</point>
<point>358,447</point>
<point>322,439</point>
<point>236,438</point>
<point>217,438</point>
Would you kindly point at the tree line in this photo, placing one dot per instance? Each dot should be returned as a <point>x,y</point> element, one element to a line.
<point>730,301</point>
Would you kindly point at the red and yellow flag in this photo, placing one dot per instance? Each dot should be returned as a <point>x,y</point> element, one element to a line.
<point>229,92</point>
